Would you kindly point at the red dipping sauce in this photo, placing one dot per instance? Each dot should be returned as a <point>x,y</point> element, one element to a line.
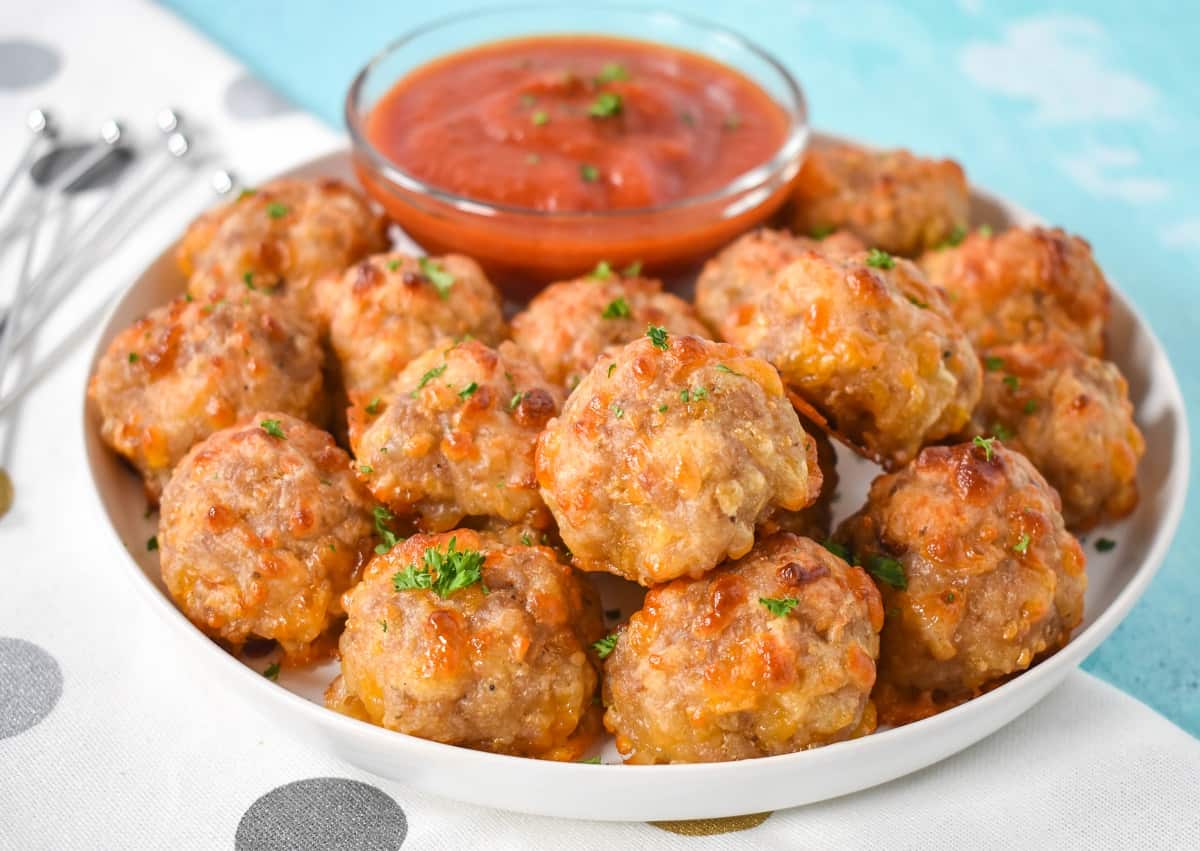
<point>575,123</point>
<point>540,156</point>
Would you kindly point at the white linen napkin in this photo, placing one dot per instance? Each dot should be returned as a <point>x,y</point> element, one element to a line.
<point>108,741</point>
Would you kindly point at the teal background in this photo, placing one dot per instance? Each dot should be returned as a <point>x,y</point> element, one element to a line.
<point>1087,113</point>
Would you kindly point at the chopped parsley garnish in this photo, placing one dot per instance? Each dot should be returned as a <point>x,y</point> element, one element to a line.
<point>366,469</point>
<point>272,672</point>
<point>821,231</point>
<point>246,193</point>
<point>152,544</point>
<point>877,259</point>
<point>1022,546</point>
<point>134,357</point>
<point>779,607</point>
<point>954,239</point>
<point>842,552</point>
<point>663,408</point>
<point>985,443</point>
<point>393,265</point>
<point>633,269</point>
<point>540,117</point>
<point>276,210</point>
<point>696,394</point>
<point>1001,431</point>
<point>687,118</point>
<point>438,276</point>
<point>723,368</point>
<point>602,272</point>
<point>383,625</point>
<point>272,428</point>
<point>373,406</point>
<point>1031,406</point>
<point>468,391</point>
<point>1012,383</point>
<point>605,645</point>
<point>606,105</point>
<point>526,540</point>
<point>429,376</point>
<point>618,308</point>
<point>992,363</point>
<point>442,572</point>
<point>617,410</point>
<point>589,172</point>
<point>732,121</point>
<point>387,538</point>
<point>611,367</point>
<point>515,400</point>
<point>248,280</point>
<point>921,304</point>
<point>188,297</point>
<point>985,230</point>
<point>658,336</point>
<point>591,760</point>
<point>887,569</point>
<point>611,72</point>
<point>1104,545</point>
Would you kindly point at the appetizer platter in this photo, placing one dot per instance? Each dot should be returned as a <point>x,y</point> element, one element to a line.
<point>664,462</point>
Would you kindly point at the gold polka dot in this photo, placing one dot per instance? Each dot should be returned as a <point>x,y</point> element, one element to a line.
<point>712,826</point>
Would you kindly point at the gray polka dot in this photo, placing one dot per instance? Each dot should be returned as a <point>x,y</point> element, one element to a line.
<point>24,64</point>
<point>249,97</point>
<point>30,685</point>
<point>323,812</point>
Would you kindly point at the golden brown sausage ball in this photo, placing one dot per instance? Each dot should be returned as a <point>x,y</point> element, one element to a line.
<point>770,654</point>
<point>429,652</point>
<point>1024,285</point>
<point>263,527</point>
<point>387,309</point>
<point>568,325</point>
<point>870,345</point>
<point>815,521</point>
<point>455,436</point>
<point>979,576</point>
<point>743,271</point>
<point>669,454</point>
<point>1070,415</point>
<point>186,370</point>
<point>891,200</point>
<point>274,241</point>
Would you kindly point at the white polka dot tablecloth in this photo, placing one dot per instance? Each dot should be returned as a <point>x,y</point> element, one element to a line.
<point>108,741</point>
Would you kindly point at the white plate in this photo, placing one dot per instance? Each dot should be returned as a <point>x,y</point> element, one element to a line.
<point>628,793</point>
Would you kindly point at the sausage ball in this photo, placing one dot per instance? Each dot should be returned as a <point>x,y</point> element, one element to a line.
<point>892,200</point>
<point>187,370</point>
<point>870,346</point>
<point>1070,415</point>
<point>1024,285</point>
<point>568,325</point>
<point>816,521</point>
<point>272,242</point>
<point>390,308</point>
<point>743,271</point>
<point>263,527</point>
<point>769,654</point>
<point>455,436</point>
<point>669,454</point>
<point>979,576</point>
<point>464,640</point>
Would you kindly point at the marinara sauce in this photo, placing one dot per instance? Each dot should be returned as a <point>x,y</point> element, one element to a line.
<point>578,124</point>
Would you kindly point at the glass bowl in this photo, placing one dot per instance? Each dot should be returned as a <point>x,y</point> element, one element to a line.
<point>523,248</point>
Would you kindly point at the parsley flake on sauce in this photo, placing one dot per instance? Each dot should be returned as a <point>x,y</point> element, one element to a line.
<point>276,210</point>
<point>373,406</point>
<point>468,391</point>
<point>444,573</point>
<point>606,105</point>
<point>134,357</point>
<point>272,672</point>
<point>953,240</point>
<point>393,265</point>
<point>887,569</point>
<point>1022,546</point>
<point>1011,382</point>
<point>985,443</point>
<point>611,72</point>
<point>611,368</point>
<point>723,368</point>
<point>838,550</point>
<point>617,410</point>
<point>779,607</point>
<point>272,428</point>
<point>438,276</point>
<point>589,172</point>
<point>1031,406</point>
<point>602,272</point>
<point>821,231</point>
<point>1105,545</point>
<point>366,469</point>
<point>429,376</point>
<point>540,118</point>
<point>515,400</point>
<point>877,259</point>
<point>992,363</point>
<point>387,538</point>
<point>618,308</point>
<point>152,544</point>
<point>605,645</point>
<point>632,270</point>
<point>658,336</point>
